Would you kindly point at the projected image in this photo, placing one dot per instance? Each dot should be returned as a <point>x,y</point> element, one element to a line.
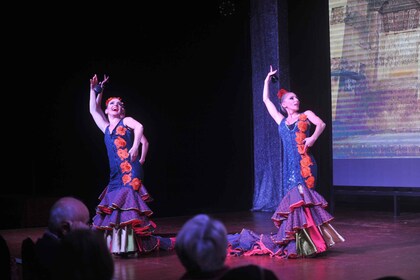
<point>375,78</point>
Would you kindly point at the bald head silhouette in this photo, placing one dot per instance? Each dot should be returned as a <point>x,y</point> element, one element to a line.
<point>66,214</point>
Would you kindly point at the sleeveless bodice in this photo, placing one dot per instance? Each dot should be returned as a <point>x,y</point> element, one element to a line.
<point>292,159</point>
<point>123,171</point>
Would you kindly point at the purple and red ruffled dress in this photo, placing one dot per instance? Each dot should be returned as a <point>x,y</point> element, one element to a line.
<point>302,221</point>
<point>123,214</point>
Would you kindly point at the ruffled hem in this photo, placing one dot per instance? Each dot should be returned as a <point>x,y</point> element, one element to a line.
<point>307,243</point>
<point>125,241</point>
<point>304,229</point>
<point>124,217</point>
<point>123,207</point>
<point>291,206</point>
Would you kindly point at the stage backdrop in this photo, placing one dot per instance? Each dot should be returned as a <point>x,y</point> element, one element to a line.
<point>375,93</point>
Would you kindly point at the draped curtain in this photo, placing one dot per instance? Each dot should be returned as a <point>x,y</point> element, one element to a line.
<point>269,46</point>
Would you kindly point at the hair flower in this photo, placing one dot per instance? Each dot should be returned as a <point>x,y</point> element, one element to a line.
<point>281,93</point>
<point>112,97</point>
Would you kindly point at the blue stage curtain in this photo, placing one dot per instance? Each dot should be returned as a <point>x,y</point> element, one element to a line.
<point>269,46</point>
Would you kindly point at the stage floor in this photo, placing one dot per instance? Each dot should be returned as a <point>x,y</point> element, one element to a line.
<point>377,245</point>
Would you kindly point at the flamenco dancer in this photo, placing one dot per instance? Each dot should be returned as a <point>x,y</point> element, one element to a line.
<point>122,213</point>
<point>302,222</point>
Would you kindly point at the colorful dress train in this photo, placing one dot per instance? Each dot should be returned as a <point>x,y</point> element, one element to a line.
<point>302,221</point>
<point>122,213</point>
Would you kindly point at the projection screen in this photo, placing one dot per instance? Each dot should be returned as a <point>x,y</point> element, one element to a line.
<point>375,92</point>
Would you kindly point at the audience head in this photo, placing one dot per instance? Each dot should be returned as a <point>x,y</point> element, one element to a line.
<point>201,244</point>
<point>5,259</point>
<point>251,272</point>
<point>66,214</point>
<point>83,254</point>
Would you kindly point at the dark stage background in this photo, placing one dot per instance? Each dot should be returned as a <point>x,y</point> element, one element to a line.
<point>184,71</point>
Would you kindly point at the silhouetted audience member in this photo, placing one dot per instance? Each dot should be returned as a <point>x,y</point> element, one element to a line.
<point>83,255</point>
<point>201,246</point>
<point>5,260</point>
<point>66,214</point>
<point>249,272</point>
<point>29,260</point>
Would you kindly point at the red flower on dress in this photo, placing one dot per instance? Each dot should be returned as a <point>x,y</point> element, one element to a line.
<point>121,130</point>
<point>301,149</point>
<point>120,142</point>
<point>303,117</point>
<point>136,183</point>
<point>126,167</point>
<point>306,160</point>
<point>305,171</point>
<point>310,182</point>
<point>302,125</point>
<point>126,178</point>
<point>300,136</point>
<point>123,154</point>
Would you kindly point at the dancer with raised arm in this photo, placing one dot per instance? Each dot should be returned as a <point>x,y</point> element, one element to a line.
<point>301,218</point>
<point>123,213</point>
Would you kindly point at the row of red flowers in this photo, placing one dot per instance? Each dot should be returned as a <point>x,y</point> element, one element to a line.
<point>125,165</point>
<point>305,161</point>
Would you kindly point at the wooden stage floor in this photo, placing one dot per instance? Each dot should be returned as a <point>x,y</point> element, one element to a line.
<point>377,245</point>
